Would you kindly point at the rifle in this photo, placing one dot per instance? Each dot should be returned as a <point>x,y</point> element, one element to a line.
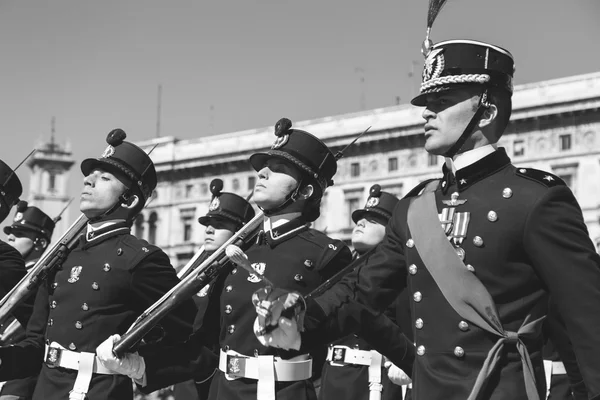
<point>202,273</point>
<point>51,259</point>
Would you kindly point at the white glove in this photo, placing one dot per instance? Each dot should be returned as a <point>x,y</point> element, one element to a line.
<point>270,328</point>
<point>396,375</point>
<point>131,364</point>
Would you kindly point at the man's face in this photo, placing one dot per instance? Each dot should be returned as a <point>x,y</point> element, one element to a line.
<point>217,232</point>
<point>101,191</point>
<point>21,243</point>
<point>446,115</point>
<point>367,233</point>
<point>276,180</point>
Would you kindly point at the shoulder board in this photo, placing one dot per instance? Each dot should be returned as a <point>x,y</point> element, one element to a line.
<point>137,249</point>
<point>330,247</point>
<point>542,177</point>
<point>417,189</point>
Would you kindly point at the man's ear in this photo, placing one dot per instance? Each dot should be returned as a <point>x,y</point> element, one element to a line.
<point>489,116</point>
<point>306,191</point>
<point>131,201</point>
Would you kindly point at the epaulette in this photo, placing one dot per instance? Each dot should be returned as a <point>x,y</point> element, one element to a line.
<point>331,247</point>
<point>417,189</point>
<point>137,249</point>
<point>542,177</point>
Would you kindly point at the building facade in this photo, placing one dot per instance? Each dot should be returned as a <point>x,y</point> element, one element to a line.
<point>555,126</point>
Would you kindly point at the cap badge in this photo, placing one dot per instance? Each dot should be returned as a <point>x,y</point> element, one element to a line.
<point>434,65</point>
<point>109,151</point>
<point>214,204</point>
<point>280,141</point>
<point>260,270</point>
<point>18,217</point>
<point>372,202</point>
<point>75,272</point>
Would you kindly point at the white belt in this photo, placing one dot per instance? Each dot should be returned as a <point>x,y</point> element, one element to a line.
<point>552,368</point>
<point>84,363</point>
<point>265,369</point>
<point>344,355</point>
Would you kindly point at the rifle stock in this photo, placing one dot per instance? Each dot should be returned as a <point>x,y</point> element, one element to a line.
<point>51,259</point>
<point>202,273</point>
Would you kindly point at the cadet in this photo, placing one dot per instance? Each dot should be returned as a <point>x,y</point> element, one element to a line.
<point>353,370</point>
<point>509,237</point>
<point>227,213</point>
<point>292,177</point>
<point>30,233</point>
<point>104,284</point>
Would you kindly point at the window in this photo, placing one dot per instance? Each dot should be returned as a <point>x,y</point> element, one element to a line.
<point>152,228</point>
<point>519,148</point>
<point>565,142</point>
<point>203,189</point>
<point>432,160</point>
<point>52,181</point>
<point>396,190</point>
<point>188,191</point>
<point>139,226</point>
<point>187,229</point>
<point>392,164</point>
<point>354,170</point>
<point>353,202</point>
<point>236,185</point>
<point>567,173</point>
<point>251,182</point>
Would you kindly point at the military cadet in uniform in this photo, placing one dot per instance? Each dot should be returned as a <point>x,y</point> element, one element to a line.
<point>102,286</point>
<point>30,233</point>
<point>292,177</point>
<point>227,213</point>
<point>12,266</point>
<point>353,369</point>
<point>479,285</point>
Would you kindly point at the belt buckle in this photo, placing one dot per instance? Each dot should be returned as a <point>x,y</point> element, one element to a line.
<point>53,357</point>
<point>338,354</point>
<point>235,365</point>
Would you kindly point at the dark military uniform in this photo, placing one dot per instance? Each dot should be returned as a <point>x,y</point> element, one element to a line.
<point>298,261</point>
<point>525,227</point>
<point>105,283</point>
<point>345,378</point>
<point>12,270</point>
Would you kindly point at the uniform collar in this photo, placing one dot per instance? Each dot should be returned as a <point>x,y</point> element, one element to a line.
<point>279,228</point>
<point>467,158</point>
<point>99,231</point>
<point>475,171</point>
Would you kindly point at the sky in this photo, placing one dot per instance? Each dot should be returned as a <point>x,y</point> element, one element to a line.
<point>232,65</point>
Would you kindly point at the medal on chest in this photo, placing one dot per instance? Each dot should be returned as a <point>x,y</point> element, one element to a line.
<point>455,224</point>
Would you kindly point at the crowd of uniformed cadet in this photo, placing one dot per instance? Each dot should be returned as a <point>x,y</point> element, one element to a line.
<point>482,284</point>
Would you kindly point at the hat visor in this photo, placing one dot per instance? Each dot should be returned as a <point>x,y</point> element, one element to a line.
<point>258,160</point>
<point>12,229</point>
<point>359,214</point>
<point>90,164</point>
<point>421,99</point>
<point>215,215</point>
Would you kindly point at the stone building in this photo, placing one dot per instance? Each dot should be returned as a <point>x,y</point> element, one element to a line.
<point>555,126</point>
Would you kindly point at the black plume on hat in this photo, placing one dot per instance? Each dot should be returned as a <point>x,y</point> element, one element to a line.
<point>21,206</point>
<point>375,190</point>
<point>116,137</point>
<point>379,203</point>
<point>216,186</point>
<point>283,127</point>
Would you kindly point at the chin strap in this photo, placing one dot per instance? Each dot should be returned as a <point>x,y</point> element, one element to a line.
<point>291,198</point>
<point>123,198</point>
<point>483,105</point>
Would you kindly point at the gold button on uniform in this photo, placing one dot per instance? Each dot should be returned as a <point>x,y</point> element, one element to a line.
<point>72,346</point>
<point>50,322</point>
<point>419,323</point>
<point>412,269</point>
<point>421,350</point>
<point>459,351</point>
<point>410,243</point>
<point>78,325</point>
<point>463,326</point>
<point>507,193</point>
<point>492,216</point>
<point>85,307</point>
<point>106,267</point>
<point>228,309</point>
<point>54,285</point>
<point>308,264</point>
<point>470,268</point>
<point>417,296</point>
<point>478,241</point>
<point>53,304</point>
<point>95,286</point>
<point>228,288</point>
<point>231,329</point>
<point>298,277</point>
<point>234,271</point>
<point>119,251</point>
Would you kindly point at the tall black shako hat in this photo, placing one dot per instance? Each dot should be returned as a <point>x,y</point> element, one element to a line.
<point>31,220</point>
<point>454,64</point>
<point>379,203</point>
<point>227,206</point>
<point>312,157</point>
<point>10,189</point>
<point>128,162</point>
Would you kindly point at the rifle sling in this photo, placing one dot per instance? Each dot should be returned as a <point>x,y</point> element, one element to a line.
<point>464,292</point>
